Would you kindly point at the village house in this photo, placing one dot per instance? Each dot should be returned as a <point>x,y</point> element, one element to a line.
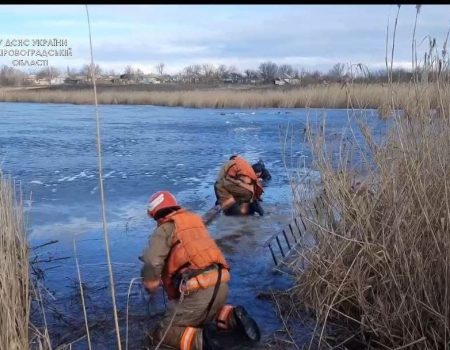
<point>151,79</point>
<point>75,80</point>
<point>233,78</point>
<point>285,78</point>
<point>49,81</point>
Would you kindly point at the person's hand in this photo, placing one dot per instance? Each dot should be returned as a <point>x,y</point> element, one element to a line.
<point>151,285</point>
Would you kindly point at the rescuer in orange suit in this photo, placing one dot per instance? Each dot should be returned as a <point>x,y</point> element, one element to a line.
<point>194,273</point>
<point>238,189</point>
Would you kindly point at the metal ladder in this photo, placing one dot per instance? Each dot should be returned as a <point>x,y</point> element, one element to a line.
<point>283,243</point>
<point>295,230</point>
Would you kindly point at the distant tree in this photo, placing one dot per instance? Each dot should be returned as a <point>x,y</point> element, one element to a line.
<point>377,76</point>
<point>233,69</point>
<point>71,72</point>
<point>160,68</point>
<point>251,74</point>
<point>10,76</point>
<point>268,70</point>
<point>208,71</point>
<point>402,75</point>
<point>222,71</point>
<point>192,72</point>
<point>129,70</point>
<point>138,74</point>
<point>286,69</point>
<point>337,72</point>
<point>86,71</point>
<point>196,69</point>
<point>310,77</point>
<point>187,73</point>
<point>316,75</point>
<point>133,74</point>
<point>48,73</point>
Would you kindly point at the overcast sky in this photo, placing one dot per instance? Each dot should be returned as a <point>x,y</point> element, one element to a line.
<point>306,36</point>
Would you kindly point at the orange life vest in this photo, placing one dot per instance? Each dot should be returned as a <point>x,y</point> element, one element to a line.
<point>241,172</point>
<point>192,249</point>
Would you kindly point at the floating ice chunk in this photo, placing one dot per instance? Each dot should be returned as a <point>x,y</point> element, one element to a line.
<point>65,178</point>
<point>109,174</point>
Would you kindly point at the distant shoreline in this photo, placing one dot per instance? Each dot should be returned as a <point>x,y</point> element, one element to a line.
<point>364,96</point>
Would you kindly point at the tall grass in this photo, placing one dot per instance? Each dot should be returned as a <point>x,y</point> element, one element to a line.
<point>331,96</point>
<point>14,277</point>
<point>381,263</point>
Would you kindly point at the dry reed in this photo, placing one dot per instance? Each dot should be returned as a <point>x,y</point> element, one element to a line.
<point>14,277</point>
<point>381,263</point>
<point>331,96</point>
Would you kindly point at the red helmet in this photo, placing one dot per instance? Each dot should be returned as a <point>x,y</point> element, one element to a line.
<point>160,200</point>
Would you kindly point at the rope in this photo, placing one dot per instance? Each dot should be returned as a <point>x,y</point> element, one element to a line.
<point>171,322</point>
<point>102,195</point>
<point>128,300</point>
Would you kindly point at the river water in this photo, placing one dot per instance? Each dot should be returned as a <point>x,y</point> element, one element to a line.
<point>51,151</point>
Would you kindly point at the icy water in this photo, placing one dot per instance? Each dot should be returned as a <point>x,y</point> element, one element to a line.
<point>51,150</point>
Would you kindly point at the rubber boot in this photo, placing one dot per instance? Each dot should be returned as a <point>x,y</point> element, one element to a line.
<point>246,324</point>
<point>211,338</point>
<point>255,207</point>
<point>234,210</point>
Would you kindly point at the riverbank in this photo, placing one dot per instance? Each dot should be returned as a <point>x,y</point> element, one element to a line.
<point>379,270</point>
<point>314,96</point>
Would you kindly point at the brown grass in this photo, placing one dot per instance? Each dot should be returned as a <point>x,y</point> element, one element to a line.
<point>331,96</point>
<point>381,263</point>
<point>17,288</point>
<point>14,278</point>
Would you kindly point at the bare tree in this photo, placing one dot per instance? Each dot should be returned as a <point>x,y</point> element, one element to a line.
<point>337,72</point>
<point>208,71</point>
<point>251,74</point>
<point>192,72</point>
<point>233,69</point>
<point>10,76</point>
<point>268,70</point>
<point>71,72</point>
<point>48,73</point>
<point>286,69</point>
<point>160,68</point>
<point>129,71</point>
<point>86,71</point>
<point>138,75</point>
<point>222,71</point>
<point>197,70</point>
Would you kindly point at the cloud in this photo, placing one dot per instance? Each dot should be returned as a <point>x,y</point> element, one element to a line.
<point>302,35</point>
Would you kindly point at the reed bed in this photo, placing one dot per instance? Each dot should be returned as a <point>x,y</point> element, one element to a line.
<point>318,96</point>
<point>14,277</point>
<point>381,265</point>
